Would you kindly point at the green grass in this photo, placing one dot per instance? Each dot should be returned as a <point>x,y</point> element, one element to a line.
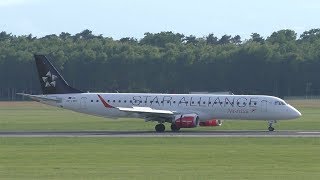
<point>29,116</point>
<point>160,158</point>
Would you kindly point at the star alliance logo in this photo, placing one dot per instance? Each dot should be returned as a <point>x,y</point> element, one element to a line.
<point>50,80</point>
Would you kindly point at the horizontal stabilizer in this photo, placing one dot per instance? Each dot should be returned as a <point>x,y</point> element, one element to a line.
<point>39,97</point>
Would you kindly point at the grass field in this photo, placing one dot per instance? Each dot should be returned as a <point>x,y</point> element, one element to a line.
<point>152,158</point>
<point>160,158</point>
<point>35,116</point>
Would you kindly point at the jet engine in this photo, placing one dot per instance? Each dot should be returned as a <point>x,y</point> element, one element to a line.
<point>212,122</point>
<point>186,121</point>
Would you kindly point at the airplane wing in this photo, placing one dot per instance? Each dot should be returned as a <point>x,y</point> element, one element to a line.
<point>149,113</point>
<point>146,110</point>
<point>40,97</point>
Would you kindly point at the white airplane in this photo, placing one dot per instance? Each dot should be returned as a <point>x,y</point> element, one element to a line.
<point>181,110</point>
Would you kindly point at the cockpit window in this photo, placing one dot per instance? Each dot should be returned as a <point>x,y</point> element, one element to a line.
<point>279,103</point>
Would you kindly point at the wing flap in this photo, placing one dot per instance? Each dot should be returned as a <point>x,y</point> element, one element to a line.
<point>146,110</point>
<point>150,114</point>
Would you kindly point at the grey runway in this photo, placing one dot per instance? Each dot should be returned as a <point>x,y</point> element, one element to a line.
<point>226,133</point>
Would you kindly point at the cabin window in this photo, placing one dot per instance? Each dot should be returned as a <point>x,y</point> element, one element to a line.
<point>209,102</point>
<point>97,101</point>
<point>125,101</point>
<point>192,102</point>
<point>174,102</point>
<point>204,102</point>
<point>119,101</point>
<point>91,100</point>
<point>279,103</point>
<point>114,100</point>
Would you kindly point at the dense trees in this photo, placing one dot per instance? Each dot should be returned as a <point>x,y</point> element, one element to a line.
<point>281,64</point>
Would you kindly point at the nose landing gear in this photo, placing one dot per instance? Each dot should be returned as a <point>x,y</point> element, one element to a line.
<point>270,128</point>
<point>271,122</point>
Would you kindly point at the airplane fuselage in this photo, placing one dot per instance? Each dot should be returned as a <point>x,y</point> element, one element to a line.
<point>206,106</point>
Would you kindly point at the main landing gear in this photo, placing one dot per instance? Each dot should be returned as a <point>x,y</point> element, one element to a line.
<point>160,127</point>
<point>174,127</point>
<point>271,122</point>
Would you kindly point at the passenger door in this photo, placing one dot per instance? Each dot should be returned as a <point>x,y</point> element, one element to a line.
<point>264,106</point>
<point>83,103</point>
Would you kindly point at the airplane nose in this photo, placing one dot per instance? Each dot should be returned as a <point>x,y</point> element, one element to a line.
<point>296,113</point>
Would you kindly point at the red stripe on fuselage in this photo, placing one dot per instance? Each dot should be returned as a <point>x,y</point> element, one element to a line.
<point>104,102</point>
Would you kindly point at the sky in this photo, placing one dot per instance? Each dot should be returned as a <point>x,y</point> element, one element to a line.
<point>133,18</point>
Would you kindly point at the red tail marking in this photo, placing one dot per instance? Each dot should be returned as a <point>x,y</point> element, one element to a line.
<point>104,102</point>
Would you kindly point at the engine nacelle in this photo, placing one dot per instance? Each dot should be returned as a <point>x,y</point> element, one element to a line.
<point>186,121</point>
<point>212,122</point>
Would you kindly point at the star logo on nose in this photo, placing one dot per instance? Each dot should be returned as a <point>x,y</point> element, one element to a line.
<point>50,80</point>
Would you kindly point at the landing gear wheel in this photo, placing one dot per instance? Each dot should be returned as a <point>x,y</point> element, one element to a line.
<point>271,128</point>
<point>174,128</point>
<point>160,127</point>
<point>271,122</point>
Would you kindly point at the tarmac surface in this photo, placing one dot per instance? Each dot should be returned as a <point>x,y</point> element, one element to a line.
<point>229,133</point>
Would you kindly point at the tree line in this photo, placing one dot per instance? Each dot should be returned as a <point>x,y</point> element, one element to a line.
<point>281,64</point>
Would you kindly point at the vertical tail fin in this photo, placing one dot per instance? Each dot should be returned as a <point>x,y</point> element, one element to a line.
<point>50,79</point>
